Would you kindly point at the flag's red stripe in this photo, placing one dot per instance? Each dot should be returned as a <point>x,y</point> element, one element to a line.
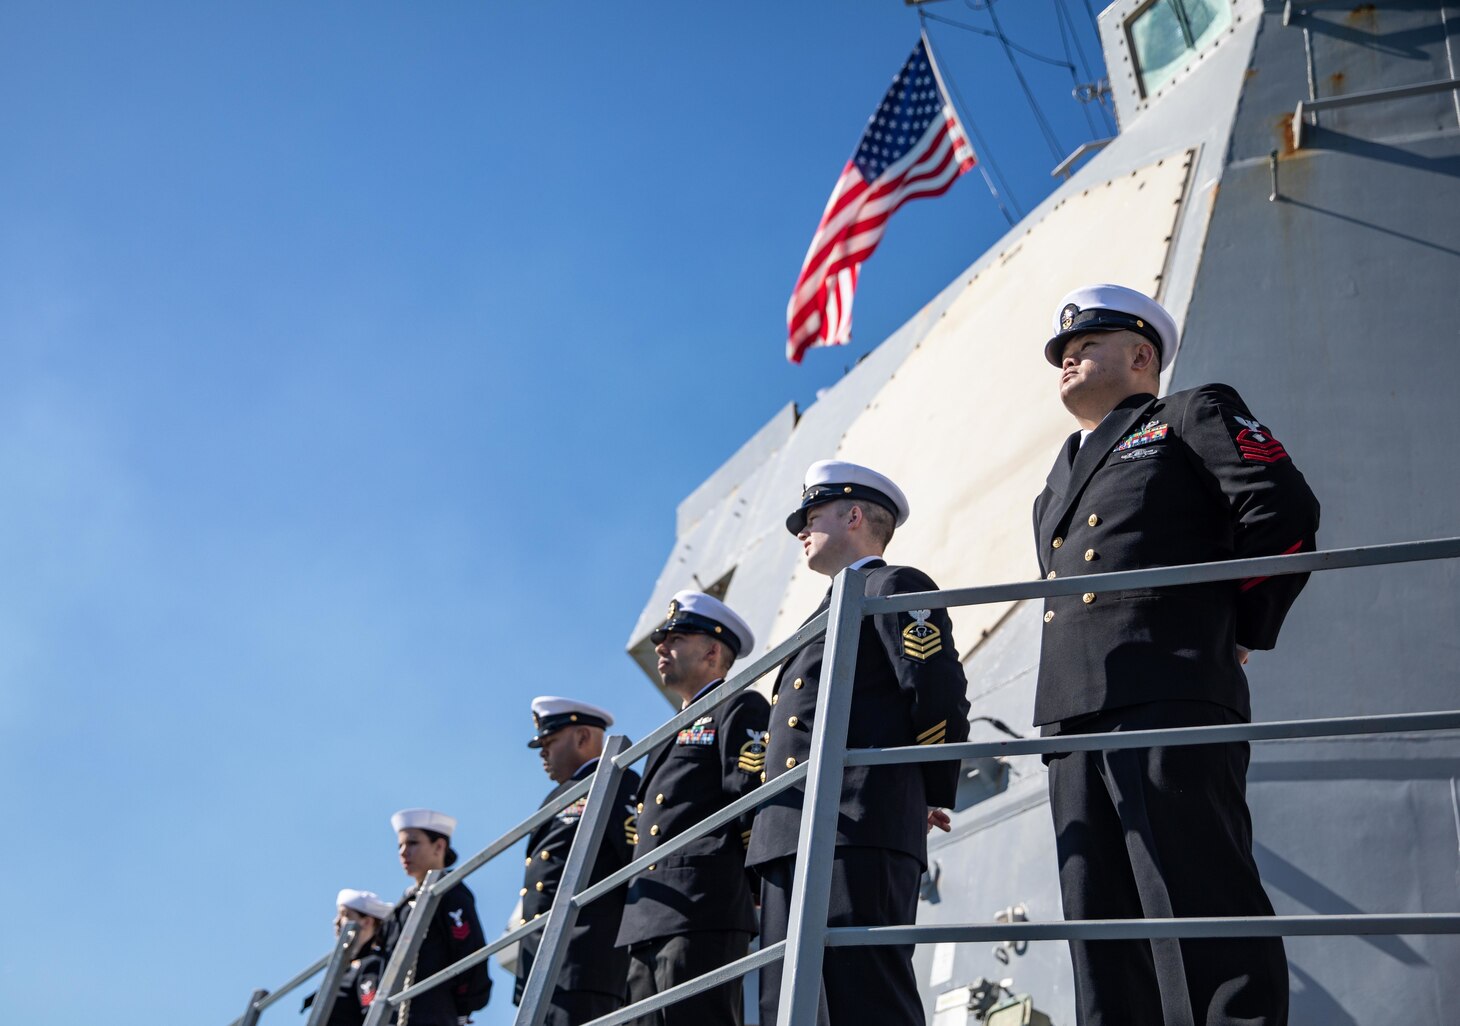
<point>876,223</point>
<point>852,195</point>
<point>879,191</point>
<point>886,202</point>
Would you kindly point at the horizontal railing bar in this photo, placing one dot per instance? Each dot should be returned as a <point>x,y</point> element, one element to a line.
<point>481,954</point>
<point>1143,929</point>
<point>1443,85</point>
<point>293,983</point>
<point>807,633</point>
<point>512,836</point>
<point>1167,576</point>
<point>1089,146</point>
<point>742,804</point>
<point>713,978</point>
<point>1170,737</point>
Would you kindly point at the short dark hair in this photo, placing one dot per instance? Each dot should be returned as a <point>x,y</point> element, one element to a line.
<point>880,520</point>
<point>1136,339</point>
<point>727,654</point>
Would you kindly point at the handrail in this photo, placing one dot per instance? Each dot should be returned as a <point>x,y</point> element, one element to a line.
<point>1062,169</point>
<point>1168,737</point>
<point>267,998</point>
<point>1167,576</point>
<point>1360,924</point>
<point>1370,96</point>
<point>481,954</point>
<point>808,935</point>
<point>724,974</point>
<point>743,804</point>
<point>821,776</point>
<point>396,975</point>
<point>329,984</point>
<point>512,836</point>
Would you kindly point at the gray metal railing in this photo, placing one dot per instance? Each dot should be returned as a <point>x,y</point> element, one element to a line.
<point>329,984</point>
<point>1313,106</point>
<point>808,935</point>
<point>1065,168</point>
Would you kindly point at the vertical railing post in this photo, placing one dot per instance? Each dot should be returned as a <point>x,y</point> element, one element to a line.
<point>542,979</point>
<point>407,947</point>
<point>329,987</point>
<point>811,883</point>
<point>251,1013</point>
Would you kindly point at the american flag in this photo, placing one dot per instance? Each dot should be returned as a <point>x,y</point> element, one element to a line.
<point>912,147</point>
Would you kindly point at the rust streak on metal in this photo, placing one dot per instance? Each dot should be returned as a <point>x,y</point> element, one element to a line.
<point>1363,13</point>
<point>1282,127</point>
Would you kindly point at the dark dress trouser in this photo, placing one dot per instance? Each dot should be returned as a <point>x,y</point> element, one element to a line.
<point>664,962</point>
<point>1156,833</point>
<point>861,985</point>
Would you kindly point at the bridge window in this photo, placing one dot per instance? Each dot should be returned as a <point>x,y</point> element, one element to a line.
<point>1166,34</point>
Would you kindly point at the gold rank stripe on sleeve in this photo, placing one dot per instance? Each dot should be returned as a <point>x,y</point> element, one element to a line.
<point>934,735</point>
<point>920,639</point>
<point>745,838</point>
<point>752,756</point>
<point>631,829</point>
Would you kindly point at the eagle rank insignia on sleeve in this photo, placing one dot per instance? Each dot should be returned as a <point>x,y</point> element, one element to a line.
<point>920,639</point>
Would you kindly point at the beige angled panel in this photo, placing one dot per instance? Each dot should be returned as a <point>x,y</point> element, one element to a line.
<point>971,421</point>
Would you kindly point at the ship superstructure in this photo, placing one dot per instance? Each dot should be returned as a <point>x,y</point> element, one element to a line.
<point>1287,181</point>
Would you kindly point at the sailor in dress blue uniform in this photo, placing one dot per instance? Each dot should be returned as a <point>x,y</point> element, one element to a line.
<point>908,689</point>
<point>568,735</point>
<point>692,911</point>
<point>1193,477</point>
<point>362,973</point>
<point>423,841</point>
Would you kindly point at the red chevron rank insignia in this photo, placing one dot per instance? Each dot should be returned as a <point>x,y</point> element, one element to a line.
<point>459,929</point>
<point>1255,443</point>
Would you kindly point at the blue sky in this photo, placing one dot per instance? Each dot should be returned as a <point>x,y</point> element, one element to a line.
<point>355,357</point>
